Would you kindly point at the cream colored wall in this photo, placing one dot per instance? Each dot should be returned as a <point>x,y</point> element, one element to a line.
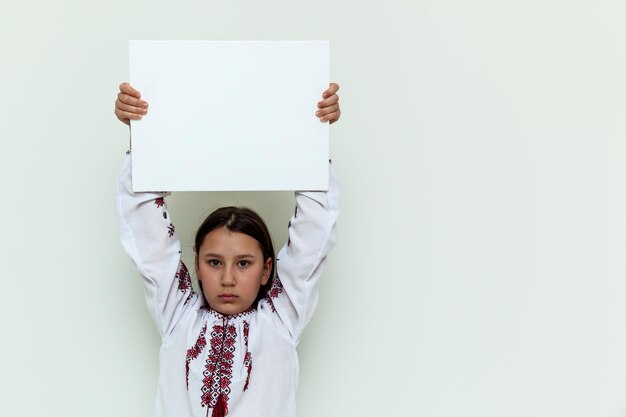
<point>482,152</point>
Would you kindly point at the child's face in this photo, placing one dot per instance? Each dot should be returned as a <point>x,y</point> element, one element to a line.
<point>231,268</point>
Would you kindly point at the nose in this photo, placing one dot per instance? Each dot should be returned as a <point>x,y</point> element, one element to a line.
<point>228,279</point>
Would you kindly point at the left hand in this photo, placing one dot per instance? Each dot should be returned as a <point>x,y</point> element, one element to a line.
<point>328,109</point>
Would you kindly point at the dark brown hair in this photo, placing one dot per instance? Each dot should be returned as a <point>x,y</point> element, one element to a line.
<point>242,220</point>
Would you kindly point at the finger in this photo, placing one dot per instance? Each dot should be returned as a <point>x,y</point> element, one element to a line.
<point>332,118</point>
<point>125,121</point>
<point>130,109</point>
<point>327,110</point>
<point>128,89</point>
<point>332,89</point>
<point>122,115</point>
<point>333,115</point>
<point>328,101</point>
<point>131,101</point>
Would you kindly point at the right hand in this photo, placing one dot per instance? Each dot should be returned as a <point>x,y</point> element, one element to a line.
<point>129,105</point>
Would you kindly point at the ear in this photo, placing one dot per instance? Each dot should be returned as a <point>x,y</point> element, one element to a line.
<point>267,269</point>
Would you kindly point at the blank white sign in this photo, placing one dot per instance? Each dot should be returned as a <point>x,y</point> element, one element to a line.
<point>229,115</point>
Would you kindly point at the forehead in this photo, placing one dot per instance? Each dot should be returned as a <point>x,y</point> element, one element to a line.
<point>227,242</point>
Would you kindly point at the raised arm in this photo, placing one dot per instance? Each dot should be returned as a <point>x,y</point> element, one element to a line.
<point>148,236</point>
<point>293,294</point>
<point>312,232</point>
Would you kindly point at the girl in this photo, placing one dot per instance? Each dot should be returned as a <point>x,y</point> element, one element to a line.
<point>230,350</point>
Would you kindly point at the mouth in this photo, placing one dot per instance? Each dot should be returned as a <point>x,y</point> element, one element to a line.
<point>228,297</point>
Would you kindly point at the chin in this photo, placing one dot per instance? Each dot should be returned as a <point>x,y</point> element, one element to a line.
<point>229,309</point>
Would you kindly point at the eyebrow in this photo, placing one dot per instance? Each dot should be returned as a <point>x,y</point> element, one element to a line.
<point>216,255</point>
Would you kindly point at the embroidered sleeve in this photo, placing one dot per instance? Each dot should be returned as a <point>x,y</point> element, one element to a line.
<point>312,232</point>
<point>149,237</point>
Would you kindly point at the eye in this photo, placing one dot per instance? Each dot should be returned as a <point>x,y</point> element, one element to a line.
<point>213,262</point>
<point>243,263</point>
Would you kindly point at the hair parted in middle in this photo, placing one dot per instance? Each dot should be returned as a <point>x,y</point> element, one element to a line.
<point>242,220</point>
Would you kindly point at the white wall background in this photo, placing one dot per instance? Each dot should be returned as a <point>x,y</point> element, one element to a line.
<point>482,152</point>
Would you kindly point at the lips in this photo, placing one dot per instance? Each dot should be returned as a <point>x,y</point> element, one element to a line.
<point>228,297</point>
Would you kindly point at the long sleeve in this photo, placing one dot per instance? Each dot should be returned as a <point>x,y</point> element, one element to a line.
<point>148,236</point>
<point>312,234</point>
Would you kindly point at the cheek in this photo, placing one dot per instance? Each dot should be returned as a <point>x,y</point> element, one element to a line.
<point>250,278</point>
<point>204,273</point>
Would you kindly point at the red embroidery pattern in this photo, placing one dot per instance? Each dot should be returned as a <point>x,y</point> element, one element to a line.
<point>170,230</point>
<point>274,291</point>
<point>219,365</point>
<point>184,281</point>
<point>160,202</point>
<point>195,350</point>
<point>247,361</point>
<point>224,317</point>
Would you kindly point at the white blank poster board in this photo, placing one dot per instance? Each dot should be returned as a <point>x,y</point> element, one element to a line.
<point>230,115</point>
